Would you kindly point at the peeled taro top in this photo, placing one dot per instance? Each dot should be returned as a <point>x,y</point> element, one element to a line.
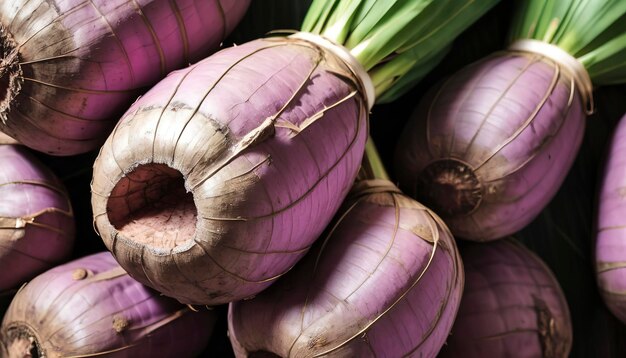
<point>219,179</point>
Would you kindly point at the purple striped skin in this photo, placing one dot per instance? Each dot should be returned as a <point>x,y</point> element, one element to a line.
<point>36,218</point>
<point>373,293</point>
<point>81,63</point>
<point>258,171</point>
<point>91,305</point>
<point>512,306</point>
<point>515,122</point>
<point>610,245</point>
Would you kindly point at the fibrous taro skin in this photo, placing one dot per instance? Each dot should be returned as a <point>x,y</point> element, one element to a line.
<point>386,282</point>
<point>610,245</point>
<point>36,218</point>
<point>512,306</point>
<point>69,68</point>
<point>220,178</point>
<point>91,307</point>
<point>490,146</point>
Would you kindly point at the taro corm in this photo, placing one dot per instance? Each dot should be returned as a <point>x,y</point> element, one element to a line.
<point>610,245</point>
<point>386,281</point>
<point>488,148</point>
<point>68,68</point>
<point>90,307</point>
<point>512,306</point>
<point>36,218</point>
<point>219,179</point>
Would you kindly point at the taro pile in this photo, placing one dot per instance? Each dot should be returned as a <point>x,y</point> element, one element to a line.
<point>308,178</point>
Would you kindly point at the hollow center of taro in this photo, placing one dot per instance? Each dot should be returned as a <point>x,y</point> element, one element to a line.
<point>151,206</point>
<point>449,187</point>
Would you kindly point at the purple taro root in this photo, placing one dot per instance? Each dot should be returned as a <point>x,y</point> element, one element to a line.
<point>512,306</point>
<point>489,147</point>
<point>68,68</point>
<point>91,307</point>
<point>385,282</point>
<point>36,218</point>
<point>610,251</point>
